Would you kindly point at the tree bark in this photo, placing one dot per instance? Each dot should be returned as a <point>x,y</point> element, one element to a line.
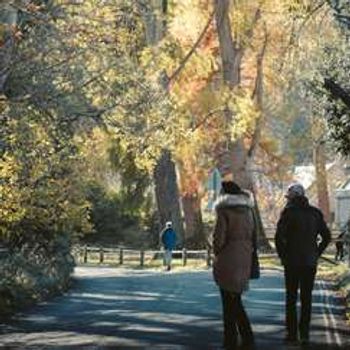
<point>191,204</point>
<point>258,95</point>
<point>231,56</point>
<point>195,237</point>
<point>167,194</point>
<point>165,177</point>
<point>8,21</point>
<point>321,180</point>
<point>233,157</point>
<point>166,186</point>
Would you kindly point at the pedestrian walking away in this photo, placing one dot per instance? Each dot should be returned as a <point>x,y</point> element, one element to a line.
<point>168,238</point>
<point>233,245</point>
<point>297,243</point>
<point>339,246</point>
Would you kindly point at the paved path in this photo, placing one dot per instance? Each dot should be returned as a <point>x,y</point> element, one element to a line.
<point>142,309</point>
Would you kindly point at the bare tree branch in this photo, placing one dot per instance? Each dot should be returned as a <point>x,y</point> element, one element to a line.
<point>206,117</point>
<point>295,33</point>
<point>258,93</point>
<point>193,49</point>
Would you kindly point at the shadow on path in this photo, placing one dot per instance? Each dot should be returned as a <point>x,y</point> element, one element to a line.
<point>118,309</point>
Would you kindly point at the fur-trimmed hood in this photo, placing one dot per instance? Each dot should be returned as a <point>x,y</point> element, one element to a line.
<point>235,200</point>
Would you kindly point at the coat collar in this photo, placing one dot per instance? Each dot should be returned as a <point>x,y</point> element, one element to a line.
<point>235,200</point>
<point>298,202</point>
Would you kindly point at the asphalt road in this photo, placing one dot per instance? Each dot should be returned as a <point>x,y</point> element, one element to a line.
<point>142,309</point>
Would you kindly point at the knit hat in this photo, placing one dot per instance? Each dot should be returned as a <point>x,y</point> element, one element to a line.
<point>295,190</point>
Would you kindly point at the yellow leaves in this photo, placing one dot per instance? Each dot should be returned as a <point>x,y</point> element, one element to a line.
<point>245,115</point>
<point>10,194</point>
<point>38,183</point>
<point>187,24</point>
<point>194,78</point>
<point>3,31</point>
<point>147,162</point>
<point>242,19</point>
<point>8,166</point>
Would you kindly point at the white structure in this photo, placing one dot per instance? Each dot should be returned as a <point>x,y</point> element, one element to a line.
<point>342,198</point>
<point>213,187</point>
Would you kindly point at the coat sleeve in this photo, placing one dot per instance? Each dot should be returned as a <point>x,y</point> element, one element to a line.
<point>281,235</point>
<point>255,268</point>
<point>324,232</point>
<point>255,230</point>
<point>175,237</point>
<point>219,234</point>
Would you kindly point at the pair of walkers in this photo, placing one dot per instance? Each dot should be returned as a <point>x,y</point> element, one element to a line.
<point>234,244</point>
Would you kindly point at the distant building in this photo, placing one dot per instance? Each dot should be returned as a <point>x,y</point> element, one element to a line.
<point>338,178</point>
<point>342,201</point>
<point>213,188</point>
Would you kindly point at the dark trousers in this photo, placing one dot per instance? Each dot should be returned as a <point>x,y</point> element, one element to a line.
<point>339,255</point>
<point>299,278</point>
<point>235,319</point>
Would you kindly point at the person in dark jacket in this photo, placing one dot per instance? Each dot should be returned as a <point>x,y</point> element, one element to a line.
<point>168,237</point>
<point>298,230</point>
<point>339,246</point>
<point>233,242</point>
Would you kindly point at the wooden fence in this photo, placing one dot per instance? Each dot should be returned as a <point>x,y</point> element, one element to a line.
<point>123,256</point>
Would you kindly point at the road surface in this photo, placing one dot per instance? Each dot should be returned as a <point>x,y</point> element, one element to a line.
<point>147,309</point>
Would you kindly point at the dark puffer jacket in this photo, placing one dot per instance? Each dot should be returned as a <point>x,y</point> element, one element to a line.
<point>297,234</point>
<point>233,241</point>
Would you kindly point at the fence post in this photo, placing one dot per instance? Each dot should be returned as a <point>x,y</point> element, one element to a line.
<point>121,257</point>
<point>101,256</point>
<point>142,258</point>
<point>85,254</point>
<point>184,257</point>
<point>208,257</point>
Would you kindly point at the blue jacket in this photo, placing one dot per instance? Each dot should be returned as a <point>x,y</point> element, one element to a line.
<point>169,238</point>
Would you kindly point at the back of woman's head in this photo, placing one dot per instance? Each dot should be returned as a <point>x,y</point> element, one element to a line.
<point>230,187</point>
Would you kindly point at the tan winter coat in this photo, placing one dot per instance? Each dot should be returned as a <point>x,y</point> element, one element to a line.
<point>233,241</point>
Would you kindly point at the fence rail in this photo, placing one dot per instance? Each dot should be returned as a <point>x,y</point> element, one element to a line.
<point>121,256</point>
<point>124,256</point>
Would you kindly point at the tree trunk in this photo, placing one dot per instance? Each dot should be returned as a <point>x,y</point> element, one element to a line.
<point>234,156</point>
<point>8,21</point>
<point>230,55</point>
<point>258,95</point>
<point>231,157</point>
<point>195,237</point>
<point>167,194</point>
<point>191,204</point>
<point>166,186</point>
<point>321,179</point>
<point>165,178</point>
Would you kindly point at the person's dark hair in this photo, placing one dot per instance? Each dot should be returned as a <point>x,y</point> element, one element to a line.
<point>230,187</point>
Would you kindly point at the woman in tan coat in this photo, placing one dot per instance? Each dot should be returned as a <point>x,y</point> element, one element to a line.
<point>233,248</point>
